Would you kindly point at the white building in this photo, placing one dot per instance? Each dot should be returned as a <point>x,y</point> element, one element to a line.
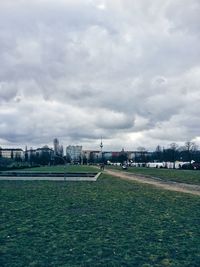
<point>11,153</point>
<point>74,153</point>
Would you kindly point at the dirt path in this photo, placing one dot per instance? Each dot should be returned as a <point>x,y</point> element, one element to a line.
<point>167,185</point>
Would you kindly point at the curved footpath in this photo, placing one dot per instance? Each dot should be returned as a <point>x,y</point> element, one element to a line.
<point>167,185</point>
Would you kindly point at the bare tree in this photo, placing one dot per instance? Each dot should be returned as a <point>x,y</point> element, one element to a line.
<point>174,148</point>
<point>159,153</point>
<point>190,147</point>
<point>143,152</point>
<point>141,149</point>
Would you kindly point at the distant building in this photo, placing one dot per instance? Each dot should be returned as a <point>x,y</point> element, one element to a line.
<point>91,155</point>
<point>45,149</point>
<point>56,146</point>
<point>61,150</point>
<point>74,153</point>
<point>11,153</point>
<point>115,156</point>
<point>43,155</point>
<point>29,154</point>
<point>138,156</point>
<point>107,155</point>
<point>58,149</point>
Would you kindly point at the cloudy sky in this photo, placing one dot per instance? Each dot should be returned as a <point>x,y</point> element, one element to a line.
<point>126,70</point>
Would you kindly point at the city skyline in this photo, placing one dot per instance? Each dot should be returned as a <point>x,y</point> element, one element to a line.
<point>128,71</point>
<point>60,148</point>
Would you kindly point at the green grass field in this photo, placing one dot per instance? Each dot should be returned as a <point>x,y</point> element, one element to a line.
<point>184,176</point>
<point>107,223</point>
<point>61,168</point>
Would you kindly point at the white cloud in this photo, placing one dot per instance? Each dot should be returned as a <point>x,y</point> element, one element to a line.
<point>127,70</point>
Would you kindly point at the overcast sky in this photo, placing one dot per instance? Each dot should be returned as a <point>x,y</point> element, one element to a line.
<point>126,70</point>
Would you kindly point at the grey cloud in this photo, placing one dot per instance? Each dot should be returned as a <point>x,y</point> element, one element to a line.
<point>7,91</point>
<point>114,121</point>
<point>184,16</point>
<point>82,69</point>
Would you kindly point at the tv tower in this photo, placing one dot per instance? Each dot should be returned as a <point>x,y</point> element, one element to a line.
<point>101,145</point>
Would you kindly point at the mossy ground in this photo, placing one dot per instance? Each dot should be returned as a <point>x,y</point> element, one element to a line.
<point>110,222</point>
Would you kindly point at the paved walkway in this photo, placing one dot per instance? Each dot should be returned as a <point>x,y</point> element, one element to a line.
<point>50,178</point>
<point>167,185</point>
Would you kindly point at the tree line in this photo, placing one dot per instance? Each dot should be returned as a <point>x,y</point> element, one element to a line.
<point>173,153</point>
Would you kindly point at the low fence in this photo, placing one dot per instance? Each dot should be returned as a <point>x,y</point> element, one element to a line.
<point>68,176</point>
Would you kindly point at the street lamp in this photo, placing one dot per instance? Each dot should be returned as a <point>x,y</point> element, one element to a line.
<point>101,147</point>
<point>65,164</point>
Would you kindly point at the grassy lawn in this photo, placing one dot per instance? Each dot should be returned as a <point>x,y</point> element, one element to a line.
<point>184,176</point>
<point>61,168</point>
<point>107,223</point>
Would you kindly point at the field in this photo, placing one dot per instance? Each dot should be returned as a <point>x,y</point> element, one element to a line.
<point>183,176</point>
<point>107,223</point>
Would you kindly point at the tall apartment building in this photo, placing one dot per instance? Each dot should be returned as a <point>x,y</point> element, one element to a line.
<point>58,149</point>
<point>56,146</point>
